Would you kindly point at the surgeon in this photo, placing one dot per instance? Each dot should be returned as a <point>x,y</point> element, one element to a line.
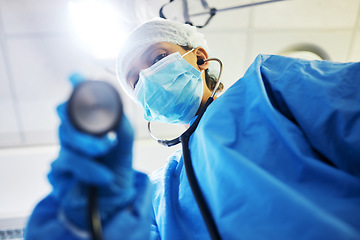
<point>277,155</point>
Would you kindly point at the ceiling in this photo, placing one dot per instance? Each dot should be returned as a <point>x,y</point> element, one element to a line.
<point>39,50</point>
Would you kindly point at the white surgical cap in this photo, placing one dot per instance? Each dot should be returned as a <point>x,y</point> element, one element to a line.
<point>149,33</point>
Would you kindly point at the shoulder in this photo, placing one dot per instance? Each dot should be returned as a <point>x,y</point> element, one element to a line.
<point>235,110</point>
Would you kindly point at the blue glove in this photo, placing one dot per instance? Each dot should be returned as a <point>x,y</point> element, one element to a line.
<point>124,195</point>
<point>85,160</point>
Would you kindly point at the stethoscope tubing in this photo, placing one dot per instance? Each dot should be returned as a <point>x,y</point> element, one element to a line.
<point>190,173</point>
<point>193,182</point>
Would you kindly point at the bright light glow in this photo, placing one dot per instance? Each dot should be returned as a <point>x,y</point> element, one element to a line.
<point>97,22</point>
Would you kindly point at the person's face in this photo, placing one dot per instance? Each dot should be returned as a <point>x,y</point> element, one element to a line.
<point>160,50</point>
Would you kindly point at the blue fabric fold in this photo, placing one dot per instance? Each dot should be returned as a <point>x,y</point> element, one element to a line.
<point>276,156</point>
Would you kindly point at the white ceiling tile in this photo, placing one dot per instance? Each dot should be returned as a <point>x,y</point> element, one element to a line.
<point>355,49</point>
<point>229,47</point>
<point>40,70</point>
<point>35,16</point>
<point>358,18</point>
<point>9,129</point>
<point>309,14</point>
<point>334,43</point>
<point>8,120</point>
<point>10,139</point>
<point>5,91</point>
<point>39,114</point>
<point>41,67</point>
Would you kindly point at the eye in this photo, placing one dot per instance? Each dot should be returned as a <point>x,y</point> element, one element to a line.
<point>134,85</point>
<point>159,57</point>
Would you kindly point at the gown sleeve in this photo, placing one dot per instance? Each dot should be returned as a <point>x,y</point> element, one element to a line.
<point>258,152</point>
<point>323,99</point>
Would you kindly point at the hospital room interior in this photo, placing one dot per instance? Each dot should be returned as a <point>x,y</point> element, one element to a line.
<point>42,43</point>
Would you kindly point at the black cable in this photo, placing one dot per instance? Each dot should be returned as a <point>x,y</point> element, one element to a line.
<point>212,14</point>
<point>194,185</point>
<point>89,102</point>
<point>161,14</point>
<point>95,219</point>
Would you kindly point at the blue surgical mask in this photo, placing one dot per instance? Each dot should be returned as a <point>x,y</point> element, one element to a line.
<point>170,91</point>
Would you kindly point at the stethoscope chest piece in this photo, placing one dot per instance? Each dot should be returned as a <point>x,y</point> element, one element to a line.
<point>95,107</point>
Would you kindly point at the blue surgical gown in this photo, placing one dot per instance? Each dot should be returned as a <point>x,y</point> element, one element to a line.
<point>277,156</point>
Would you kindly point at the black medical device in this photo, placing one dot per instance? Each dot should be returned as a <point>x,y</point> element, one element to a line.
<point>95,107</point>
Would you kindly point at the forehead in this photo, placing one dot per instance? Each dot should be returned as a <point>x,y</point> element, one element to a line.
<point>164,45</point>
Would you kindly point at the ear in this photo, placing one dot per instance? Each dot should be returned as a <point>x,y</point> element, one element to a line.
<point>201,54</point>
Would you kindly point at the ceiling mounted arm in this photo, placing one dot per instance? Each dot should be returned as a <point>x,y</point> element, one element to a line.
<point>212,11</point>
<point>186,15</point>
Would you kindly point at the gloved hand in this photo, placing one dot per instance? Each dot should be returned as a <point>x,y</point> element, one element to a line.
<point>86,160</point>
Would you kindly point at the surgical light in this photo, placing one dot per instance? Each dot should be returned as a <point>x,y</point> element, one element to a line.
<point>98,24</point>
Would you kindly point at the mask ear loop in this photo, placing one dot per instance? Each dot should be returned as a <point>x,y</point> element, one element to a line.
<point>187,52</point>
<point>175,141</point>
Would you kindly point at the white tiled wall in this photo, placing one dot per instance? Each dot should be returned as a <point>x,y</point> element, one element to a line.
<point>272,42</point>
<point>307,14</point>
<point>23,173</point>
<point>354,54</point>
<point>9,127</point>
<point>230,47</point>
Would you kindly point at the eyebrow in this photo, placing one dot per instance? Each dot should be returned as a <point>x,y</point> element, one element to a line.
<point>145,54</point>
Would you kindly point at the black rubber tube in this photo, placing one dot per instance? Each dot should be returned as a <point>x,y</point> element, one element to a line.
<point>90,97</point>
<point>95,219</point>
<point>194,185</point>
